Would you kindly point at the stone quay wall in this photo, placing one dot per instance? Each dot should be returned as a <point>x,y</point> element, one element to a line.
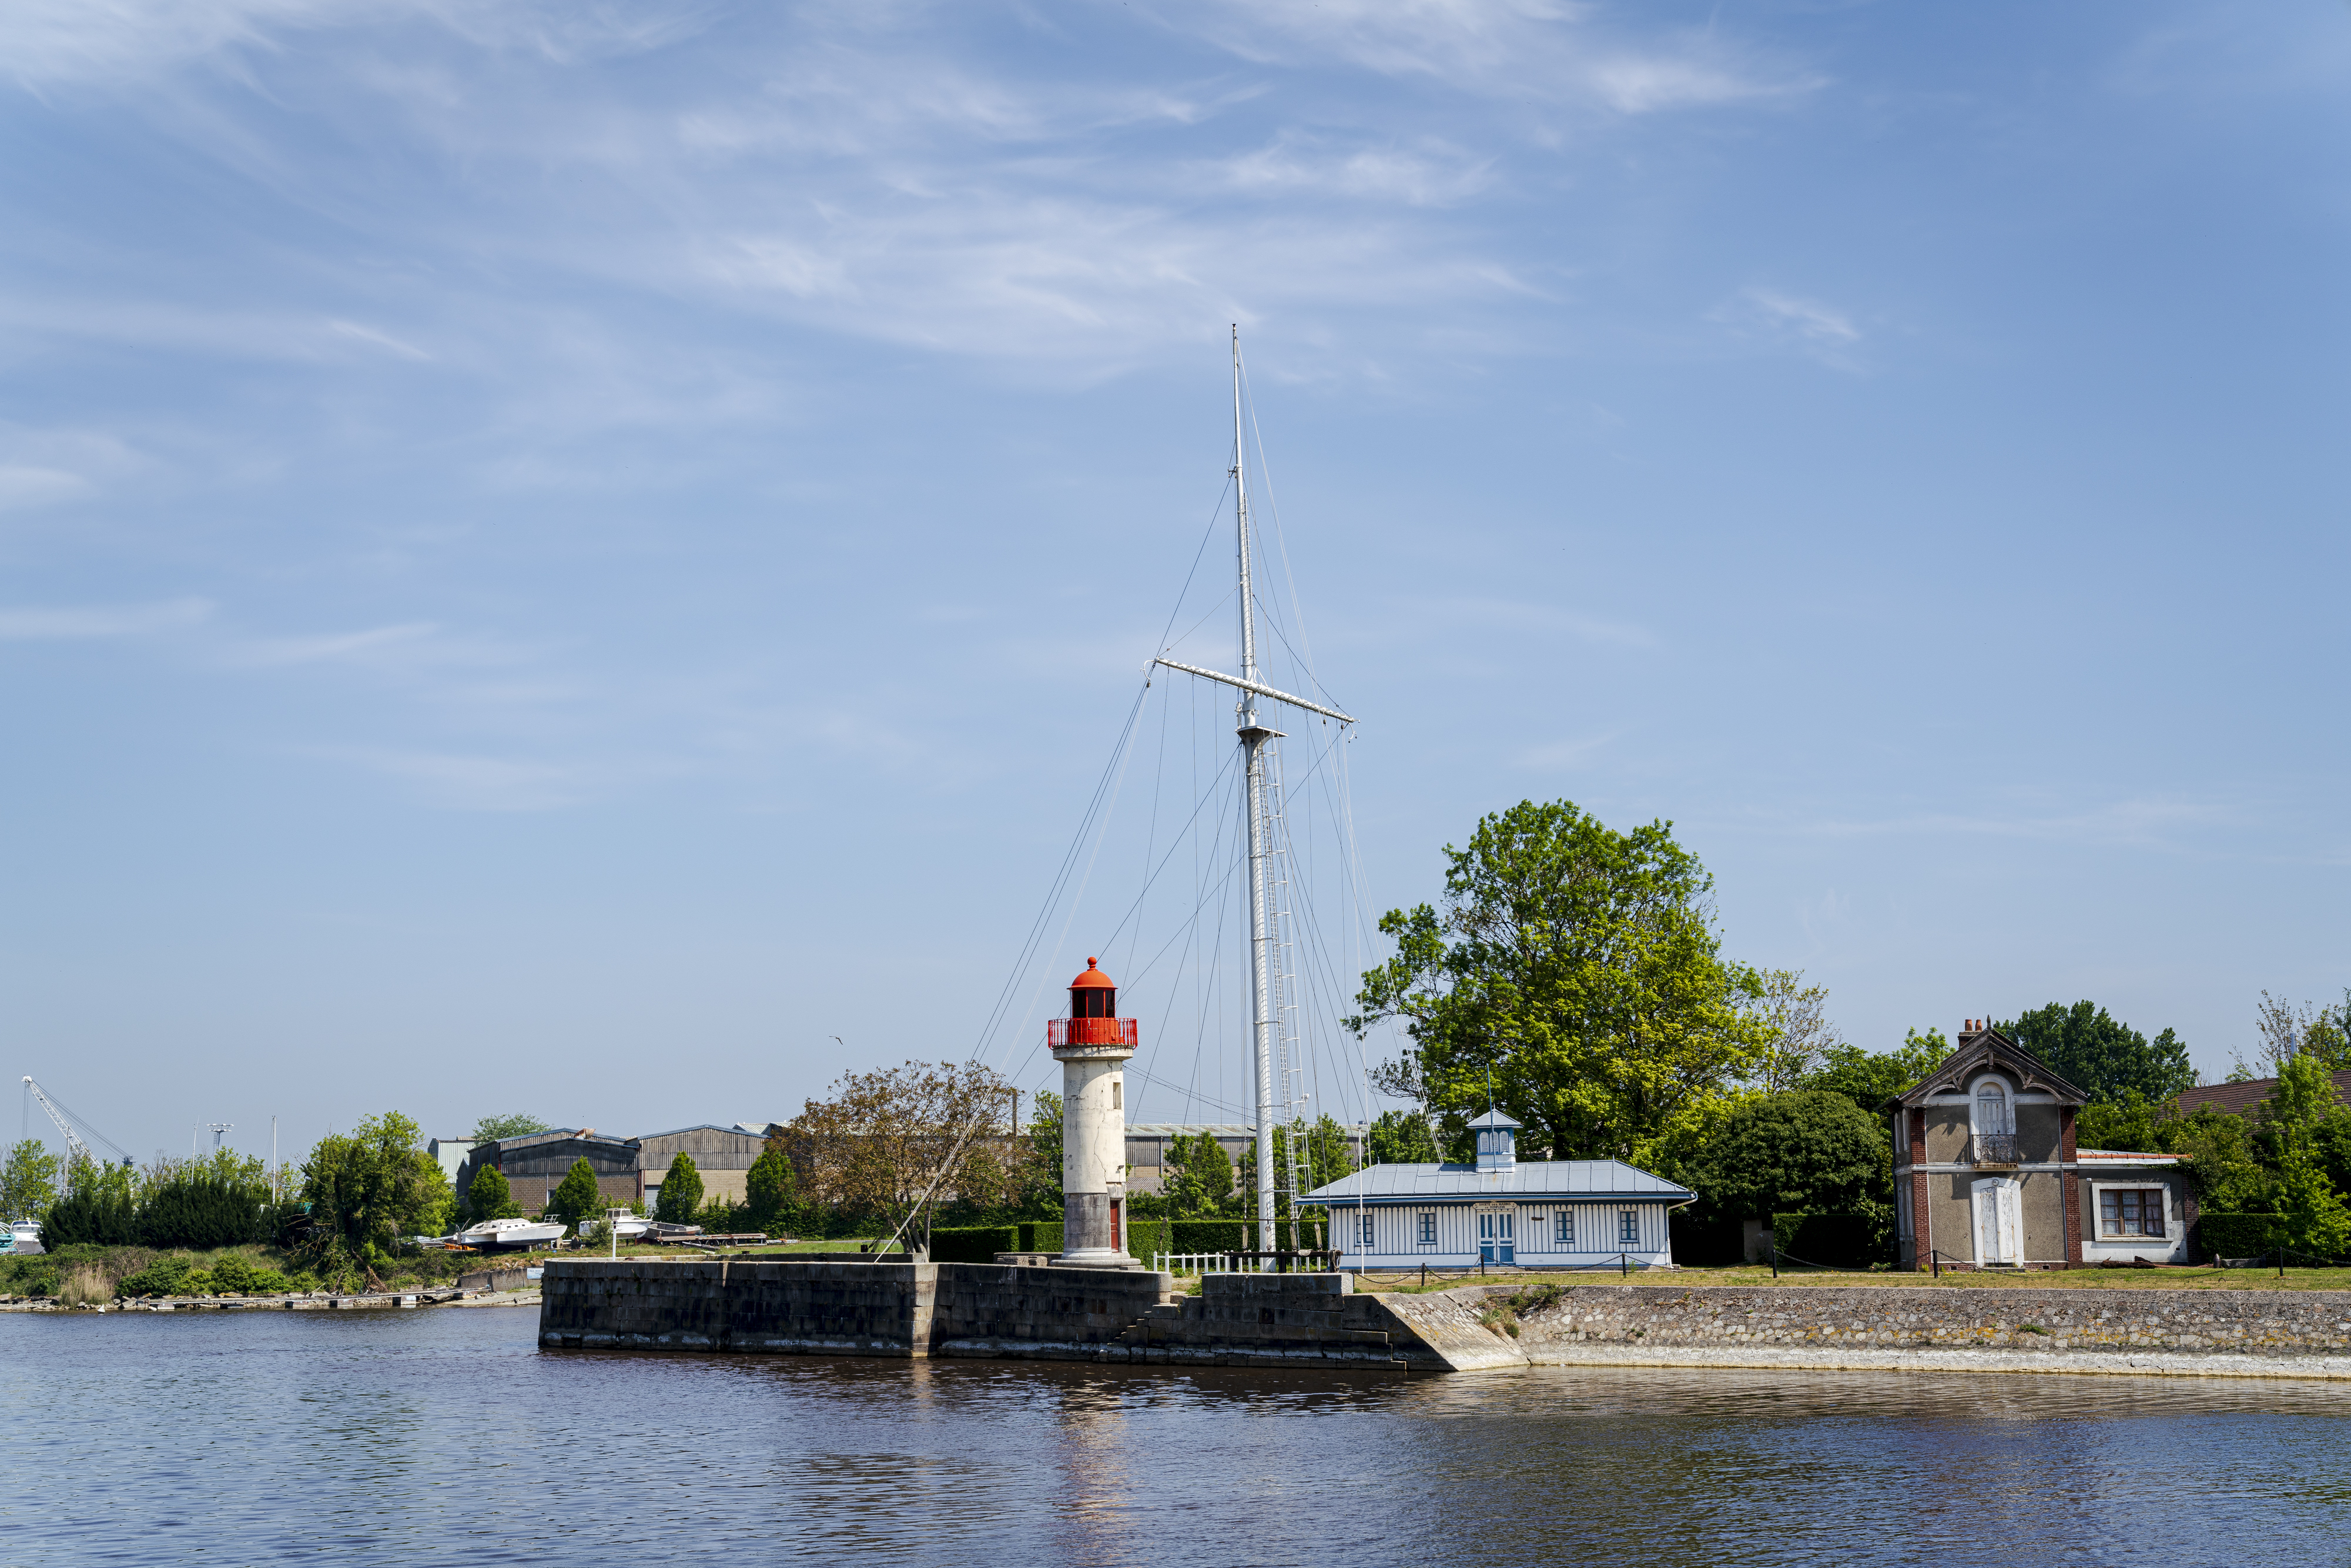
<point>2054,1323</point>
<point>837,1307</point>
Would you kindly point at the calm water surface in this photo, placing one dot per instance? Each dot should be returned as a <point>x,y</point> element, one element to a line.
<point>449,1437</point>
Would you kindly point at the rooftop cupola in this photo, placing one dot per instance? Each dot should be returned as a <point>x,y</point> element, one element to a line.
<point>1497,1142</point>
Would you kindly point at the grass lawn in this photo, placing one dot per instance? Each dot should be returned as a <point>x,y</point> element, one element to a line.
<point>2164,1278</point>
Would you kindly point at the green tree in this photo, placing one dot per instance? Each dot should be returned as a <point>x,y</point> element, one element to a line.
<point>367,1188</point>
<point>1323,1157</point>
<point>1810,1151</point>
<point>1200,1178</point>
<point>2300,1118</point>
<point>1041,1172</point>
<point>1400,1138</point>
<point>680,1192</point>
<point>2100,1055</point>
<point>577,1196</point>
<point>1578,967</point>
<point>771,1190</point>
<point>490,1129</point>
<point>490,1196</point>
<point>2222,1162</point>
<point>1869,1080</point>
<point>29,1183</point>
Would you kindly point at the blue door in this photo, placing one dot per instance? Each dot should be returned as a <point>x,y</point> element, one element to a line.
<point>1497,1241</point>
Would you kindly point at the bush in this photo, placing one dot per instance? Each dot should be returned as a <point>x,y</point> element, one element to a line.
<point>176,1275</point>
<point>2237,1234</point>
<point>238,1276</point>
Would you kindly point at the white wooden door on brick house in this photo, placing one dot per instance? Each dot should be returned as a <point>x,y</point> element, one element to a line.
<point>1999,1221</point>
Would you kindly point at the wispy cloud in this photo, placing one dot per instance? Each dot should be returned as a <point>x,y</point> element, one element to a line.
<point>36,623</point>
<point>461,781</point>
<point>1825,332</point>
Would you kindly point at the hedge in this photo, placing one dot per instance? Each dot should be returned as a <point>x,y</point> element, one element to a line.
<point>973,1243</point>
<point>2238,1235</point>
<point>1706,1243</point>
<point>1837,1240</point>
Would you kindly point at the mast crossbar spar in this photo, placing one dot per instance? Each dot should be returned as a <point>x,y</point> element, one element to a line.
<point>1259,687</point>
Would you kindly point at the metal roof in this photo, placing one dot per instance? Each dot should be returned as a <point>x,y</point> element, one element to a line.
<point>1528,1179</point>
<point>2125,1157</point>
<point>1496,1119</point>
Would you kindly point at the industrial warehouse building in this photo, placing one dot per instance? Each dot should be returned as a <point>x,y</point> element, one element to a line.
<point>629,1171</point>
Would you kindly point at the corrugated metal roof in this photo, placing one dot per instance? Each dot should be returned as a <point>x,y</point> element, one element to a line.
<point>1528,1179</point>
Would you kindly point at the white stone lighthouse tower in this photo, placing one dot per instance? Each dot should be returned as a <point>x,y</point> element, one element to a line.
<point>1093,1045</point>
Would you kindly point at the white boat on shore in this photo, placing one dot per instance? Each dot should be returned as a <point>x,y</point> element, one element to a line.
<point>23,1238</point>
<point>628,1228</point>
<point>511,1233</point>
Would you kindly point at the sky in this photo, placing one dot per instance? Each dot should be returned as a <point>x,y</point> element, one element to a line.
<point>587,559</point>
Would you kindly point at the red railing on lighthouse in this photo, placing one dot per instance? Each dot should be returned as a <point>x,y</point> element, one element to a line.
<point>1089,1031</point>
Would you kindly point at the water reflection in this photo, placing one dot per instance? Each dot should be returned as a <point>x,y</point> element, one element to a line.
<point>449,1437</point>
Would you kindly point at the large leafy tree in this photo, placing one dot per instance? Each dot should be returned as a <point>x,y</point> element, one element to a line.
<point>1869,1079</point>
<point>1808,1151</point>
<point>1798,1033</point>
<point>368,1187</point>
<point>886,1143</point>
<point>1577,968</point>
<point>2102,1055</point>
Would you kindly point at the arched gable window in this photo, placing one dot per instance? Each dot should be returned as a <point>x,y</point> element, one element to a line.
<point>1993,1113</point>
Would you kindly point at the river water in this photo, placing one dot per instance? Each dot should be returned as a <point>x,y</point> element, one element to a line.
<point>448,1437</point>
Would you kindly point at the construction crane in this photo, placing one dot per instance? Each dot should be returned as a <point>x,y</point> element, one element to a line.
<point>73,1126</point>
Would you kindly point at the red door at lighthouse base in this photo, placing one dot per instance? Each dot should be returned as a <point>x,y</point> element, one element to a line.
<point>1117,1235</point>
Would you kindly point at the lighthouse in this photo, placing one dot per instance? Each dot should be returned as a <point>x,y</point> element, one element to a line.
<point>1093,1045</point>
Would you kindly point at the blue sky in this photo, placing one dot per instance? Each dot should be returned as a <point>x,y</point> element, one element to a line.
<point>559,558</point>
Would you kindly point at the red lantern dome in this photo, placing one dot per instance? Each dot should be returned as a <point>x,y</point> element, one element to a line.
<point>1093,1013</point>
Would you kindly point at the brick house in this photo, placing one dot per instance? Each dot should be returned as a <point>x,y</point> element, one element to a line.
<point>1987,1173</point>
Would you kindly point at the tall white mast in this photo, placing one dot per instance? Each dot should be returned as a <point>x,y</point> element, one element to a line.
<point>1254,739</point>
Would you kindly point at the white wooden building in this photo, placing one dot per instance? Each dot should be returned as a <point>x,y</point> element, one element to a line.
<point>1538,1213</point>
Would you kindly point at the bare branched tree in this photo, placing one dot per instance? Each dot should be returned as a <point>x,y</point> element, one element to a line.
<point>1797,1016</point>
<point>2285,1029</point>
<point>888,1143</point>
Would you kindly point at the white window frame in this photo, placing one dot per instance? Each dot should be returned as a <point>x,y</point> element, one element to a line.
<point>2175,1215</point>
<point>2008,1093</point>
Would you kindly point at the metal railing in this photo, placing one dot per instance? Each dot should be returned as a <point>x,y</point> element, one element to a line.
<point>1193,1263</point>
<point>1059,1032</point>
<point>1992,1149</point>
